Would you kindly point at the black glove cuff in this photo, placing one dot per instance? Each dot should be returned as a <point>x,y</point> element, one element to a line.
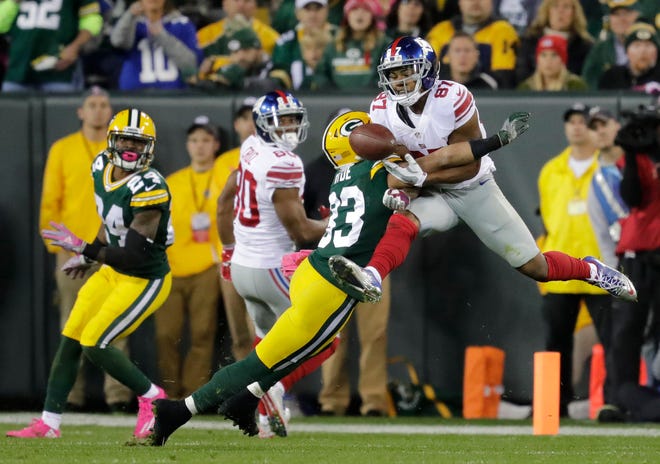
<point>92,250</point>
<point>481,147</point>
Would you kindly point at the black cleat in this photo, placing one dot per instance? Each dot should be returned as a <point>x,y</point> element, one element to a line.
<point>169,415</point>
<point>241,410</point>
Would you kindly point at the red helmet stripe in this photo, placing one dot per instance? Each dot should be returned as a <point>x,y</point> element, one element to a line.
<point>394,45</point>
<point>283,95</point>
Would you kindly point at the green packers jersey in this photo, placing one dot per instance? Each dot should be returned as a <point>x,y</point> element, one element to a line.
<point>43,28</point>
<point>357,218</point>
<point>117,202</point>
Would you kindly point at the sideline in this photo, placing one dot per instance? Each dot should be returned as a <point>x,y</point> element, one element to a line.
<point>107,420</point>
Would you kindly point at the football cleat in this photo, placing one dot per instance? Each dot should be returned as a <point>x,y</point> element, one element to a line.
<point>611,280</point>
<point>169,415</point>
<point>361,280</point>
<point>277,416</point>
<point>241,410</point>
<point>145,418</point>
<point>37,429</point>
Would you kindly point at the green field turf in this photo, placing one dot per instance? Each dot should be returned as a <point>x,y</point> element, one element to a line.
<point>335,440</point>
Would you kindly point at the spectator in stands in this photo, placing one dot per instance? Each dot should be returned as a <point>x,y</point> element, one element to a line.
<point>519,13</point>
<point>248,67</point>
<point>409,17</point>
<point>241,329</point>
<point>285,19</point>
<point>43,54</point>
<point>312,29</point>
<point>551,73</point>
<point>233,8</point>
<point>611,50</point>
<point>497,39</point>
<point>555,17</point>
<point>350,60</point>
<point>463,64</point>
<point>642,68</point>
<point>193,300</point>
<point>101,62</point>
<point>161,45</point>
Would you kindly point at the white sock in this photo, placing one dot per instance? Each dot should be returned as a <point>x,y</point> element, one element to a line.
<point>375,273</point>
<point>279,386</point>
<point>255,389</point>
<point>152,392</point>
<point>52,419</point>
<point>190,404</point>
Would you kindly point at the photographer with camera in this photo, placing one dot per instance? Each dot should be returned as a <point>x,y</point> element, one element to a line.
<point>638,249</point>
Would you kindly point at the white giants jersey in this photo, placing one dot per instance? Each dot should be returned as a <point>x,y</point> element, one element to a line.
<point>449,106</point>
<point>261,239</point>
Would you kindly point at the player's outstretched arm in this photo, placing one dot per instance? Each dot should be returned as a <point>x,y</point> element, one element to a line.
<point>457,154</point>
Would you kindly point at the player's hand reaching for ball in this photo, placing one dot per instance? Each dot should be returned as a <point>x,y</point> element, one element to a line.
<point>412,174</point>
<point>514,126</point>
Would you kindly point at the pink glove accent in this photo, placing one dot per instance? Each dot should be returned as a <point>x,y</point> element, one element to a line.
<point>225,267</point>
<point>291,261</point>
<point>63,237</point>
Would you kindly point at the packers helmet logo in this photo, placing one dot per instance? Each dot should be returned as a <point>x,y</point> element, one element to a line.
<point>349,126</point>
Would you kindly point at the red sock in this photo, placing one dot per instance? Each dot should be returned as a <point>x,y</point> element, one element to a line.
<point>309,366</point>
<point>564,267</point>
<point>394,245</point>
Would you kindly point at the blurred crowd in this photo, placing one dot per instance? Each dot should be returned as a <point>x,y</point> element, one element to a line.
<point>258,45</point>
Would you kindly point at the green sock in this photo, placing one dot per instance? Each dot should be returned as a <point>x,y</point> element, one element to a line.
<point>228,381</point>
<point>62,375</point>
<point>115,363</point>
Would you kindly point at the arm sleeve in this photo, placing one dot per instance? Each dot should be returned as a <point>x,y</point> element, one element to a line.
<point>92,23</point>
<point>123,33</point>
<point>8,13</point>
<point>183,51</point>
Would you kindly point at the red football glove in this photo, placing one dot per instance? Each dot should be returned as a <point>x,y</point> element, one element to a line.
<point>225,266</point>
<point>324,211</point>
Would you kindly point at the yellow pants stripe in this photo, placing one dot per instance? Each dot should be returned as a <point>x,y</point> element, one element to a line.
<point>133,313</point>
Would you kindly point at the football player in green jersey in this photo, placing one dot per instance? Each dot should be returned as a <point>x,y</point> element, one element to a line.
<point>320,304</point>
<point>46,40</point>
<point>133,201</point>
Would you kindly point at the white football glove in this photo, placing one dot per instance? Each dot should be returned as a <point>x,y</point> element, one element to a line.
<point>411,174</point>
<point>396,199</point>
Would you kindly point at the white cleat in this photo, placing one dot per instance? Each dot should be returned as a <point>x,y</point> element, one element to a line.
<point>277,417</point>
<point>614,282</point>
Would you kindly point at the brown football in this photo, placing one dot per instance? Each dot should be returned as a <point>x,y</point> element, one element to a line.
<point>372,141</point>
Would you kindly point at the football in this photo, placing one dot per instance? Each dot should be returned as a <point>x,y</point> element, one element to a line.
<point>372,141</point>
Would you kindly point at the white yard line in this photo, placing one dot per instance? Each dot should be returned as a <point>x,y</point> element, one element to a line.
<point>108,420</point>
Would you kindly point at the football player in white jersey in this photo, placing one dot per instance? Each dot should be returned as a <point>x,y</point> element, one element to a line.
<point>268,221</point>
<point>425,113</point>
